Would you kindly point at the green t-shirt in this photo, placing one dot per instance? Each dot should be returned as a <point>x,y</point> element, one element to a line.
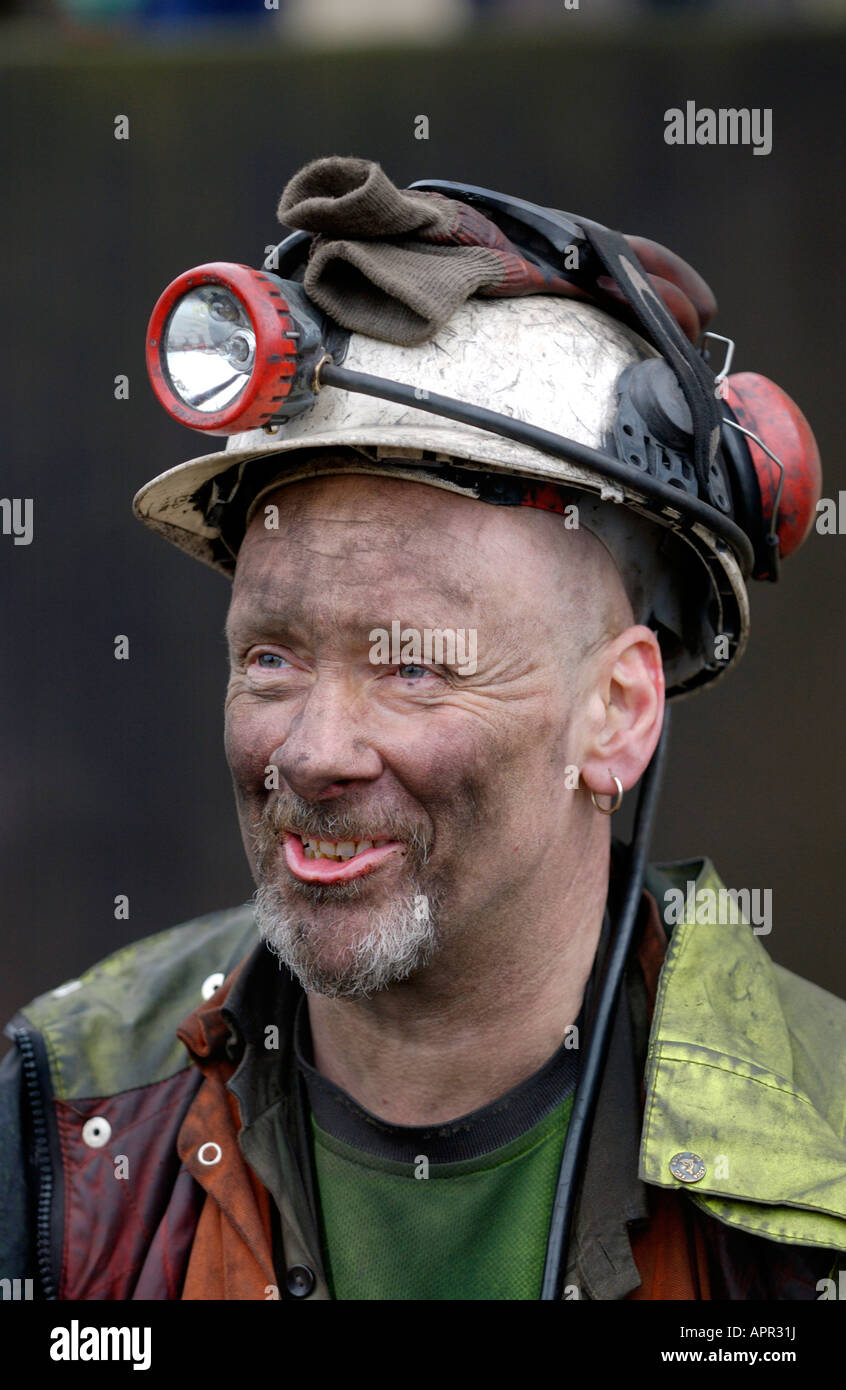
<point>473,1229</point>
<point>459,1209</point>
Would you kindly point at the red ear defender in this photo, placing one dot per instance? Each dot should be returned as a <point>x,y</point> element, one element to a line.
<point>763,409</point>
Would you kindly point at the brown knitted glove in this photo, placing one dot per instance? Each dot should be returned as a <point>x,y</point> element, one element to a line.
<point>396,264</point>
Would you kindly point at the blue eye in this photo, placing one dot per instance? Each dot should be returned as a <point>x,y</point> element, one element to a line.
<point>409,667</point>
<point>266,658</point>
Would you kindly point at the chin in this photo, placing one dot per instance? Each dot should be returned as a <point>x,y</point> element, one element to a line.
<point>340,946</point>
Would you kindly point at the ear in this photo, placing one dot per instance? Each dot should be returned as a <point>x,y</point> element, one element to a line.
<point>625,711</point>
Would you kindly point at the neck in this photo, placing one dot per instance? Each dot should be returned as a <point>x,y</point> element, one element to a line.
<point>479,1019</point>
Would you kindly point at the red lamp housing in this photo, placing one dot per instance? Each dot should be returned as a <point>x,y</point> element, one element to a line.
<point>230,348</point>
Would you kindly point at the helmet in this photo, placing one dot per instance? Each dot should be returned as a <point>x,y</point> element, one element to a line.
<point>541,400</point>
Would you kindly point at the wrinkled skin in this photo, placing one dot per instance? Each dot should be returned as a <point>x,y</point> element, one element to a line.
<point>473,767</point>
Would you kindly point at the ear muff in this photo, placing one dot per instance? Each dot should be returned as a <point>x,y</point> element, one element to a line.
<point>760,407</point>
<point>653,433</point>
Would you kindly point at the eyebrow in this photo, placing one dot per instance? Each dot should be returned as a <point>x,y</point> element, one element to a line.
<point>257,618</point>
<point>281,608</point>
<point>260,619</point>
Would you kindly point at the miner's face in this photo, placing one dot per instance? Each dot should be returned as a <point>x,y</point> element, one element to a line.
<point>379,776</point>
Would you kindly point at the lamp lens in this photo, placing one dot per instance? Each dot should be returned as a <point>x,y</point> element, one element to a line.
<point>209,348</point>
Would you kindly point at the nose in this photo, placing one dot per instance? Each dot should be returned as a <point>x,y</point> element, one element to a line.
<point>326,747</point>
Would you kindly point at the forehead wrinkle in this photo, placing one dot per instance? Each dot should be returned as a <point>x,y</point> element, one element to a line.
<point>380,516</point>
<point>306,527</point>
<point>269,601</point>
<point>396,504</point>
<point>436,579</point>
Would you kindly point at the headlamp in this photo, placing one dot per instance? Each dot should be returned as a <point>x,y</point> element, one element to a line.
<point>231,348</point>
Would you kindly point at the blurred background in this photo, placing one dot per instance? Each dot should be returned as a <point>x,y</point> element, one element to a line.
<point>114,774</point>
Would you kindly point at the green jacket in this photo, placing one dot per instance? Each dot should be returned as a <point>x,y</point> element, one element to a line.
<point>747,1068</point>
<point>743,1066</point>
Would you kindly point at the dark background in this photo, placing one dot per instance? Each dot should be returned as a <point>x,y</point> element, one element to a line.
<point>114,774</point>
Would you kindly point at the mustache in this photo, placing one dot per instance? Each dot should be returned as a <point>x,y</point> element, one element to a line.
<point>293,813</point>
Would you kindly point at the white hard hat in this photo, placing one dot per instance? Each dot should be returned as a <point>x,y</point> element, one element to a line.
<point>553,362</point>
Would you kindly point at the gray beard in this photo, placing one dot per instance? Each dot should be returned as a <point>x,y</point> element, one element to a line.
<point>399,941</point>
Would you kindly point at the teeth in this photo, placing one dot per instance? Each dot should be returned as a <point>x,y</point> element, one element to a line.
<point>340,849</point>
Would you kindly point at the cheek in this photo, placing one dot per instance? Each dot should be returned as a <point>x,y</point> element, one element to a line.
<point>524,779</point>
<point>249,737</point>
<point>469,775</point>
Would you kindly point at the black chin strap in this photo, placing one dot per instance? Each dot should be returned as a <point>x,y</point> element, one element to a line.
<point>586,1093</point>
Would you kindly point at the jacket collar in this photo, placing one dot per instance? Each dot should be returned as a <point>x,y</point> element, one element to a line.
<point>242,1040</point>
<point>744,1071</point>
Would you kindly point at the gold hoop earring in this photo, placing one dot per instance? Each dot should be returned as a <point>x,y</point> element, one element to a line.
<point>617,802</point>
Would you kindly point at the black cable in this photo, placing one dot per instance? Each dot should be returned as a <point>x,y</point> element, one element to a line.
<point>588,1087</point>
<point>669,499</point>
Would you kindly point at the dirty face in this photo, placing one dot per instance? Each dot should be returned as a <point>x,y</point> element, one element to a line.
<point>398,799</point>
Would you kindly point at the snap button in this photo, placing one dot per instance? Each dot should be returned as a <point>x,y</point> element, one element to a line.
<point>96,1132</point>
<point>212,983</point>
<point>687,1167</point>
<point>299,1281</point>
<point>209,1154</point>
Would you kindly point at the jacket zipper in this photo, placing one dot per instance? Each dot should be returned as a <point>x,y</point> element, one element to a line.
<point>42,1159</point>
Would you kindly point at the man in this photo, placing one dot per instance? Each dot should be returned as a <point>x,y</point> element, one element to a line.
<point>452,1012</point>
